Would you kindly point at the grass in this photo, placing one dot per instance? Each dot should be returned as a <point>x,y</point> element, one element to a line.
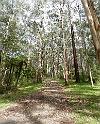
<point>85,102</point>
<point>7,99</point>
<point>83,99</point>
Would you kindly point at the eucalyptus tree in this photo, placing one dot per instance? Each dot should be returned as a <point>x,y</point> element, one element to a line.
<point>94,24</point>
<point>86,46</point>
<point>9,40</point>
<point>44,38</point>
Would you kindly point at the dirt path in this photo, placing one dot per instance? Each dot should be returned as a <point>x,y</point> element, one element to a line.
<point>48,106</point>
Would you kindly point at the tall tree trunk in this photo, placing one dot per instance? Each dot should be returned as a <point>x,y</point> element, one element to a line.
<point>65,62</point>
<point>65,67</point>
<point>94,25</point>
<point>53,68</point>
<point>20,65</point>
<point>91,78</point>
<point>39,69</point>
<point>75,56</point>
<point>0,56</point>
<point>81,63</point>
<point>53,59</point>
<point>40,52</point>
<point>57,72</point>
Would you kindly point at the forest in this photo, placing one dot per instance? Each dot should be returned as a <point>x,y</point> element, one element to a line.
<point>49,61</point>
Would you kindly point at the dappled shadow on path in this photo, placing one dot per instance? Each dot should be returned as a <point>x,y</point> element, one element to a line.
<point>78,101</point>
<point>53,105</point>
<point>47,106</point>
<point>27,111</point>
<point>52,94</point>
<point>7,122</point>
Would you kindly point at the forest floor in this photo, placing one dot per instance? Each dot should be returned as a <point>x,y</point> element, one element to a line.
<point>55,104</point>
<point>46,106</point>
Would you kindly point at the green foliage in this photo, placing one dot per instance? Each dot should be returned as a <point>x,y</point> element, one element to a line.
<point>29,72</point>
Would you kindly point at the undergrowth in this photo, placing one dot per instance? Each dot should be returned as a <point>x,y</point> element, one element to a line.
<point>84,101</point>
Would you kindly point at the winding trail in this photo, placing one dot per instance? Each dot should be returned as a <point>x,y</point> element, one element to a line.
<point>47,106</point>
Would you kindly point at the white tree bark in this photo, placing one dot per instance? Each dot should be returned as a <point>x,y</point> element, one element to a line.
<point>64,46</point>
<point>91,78</point>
